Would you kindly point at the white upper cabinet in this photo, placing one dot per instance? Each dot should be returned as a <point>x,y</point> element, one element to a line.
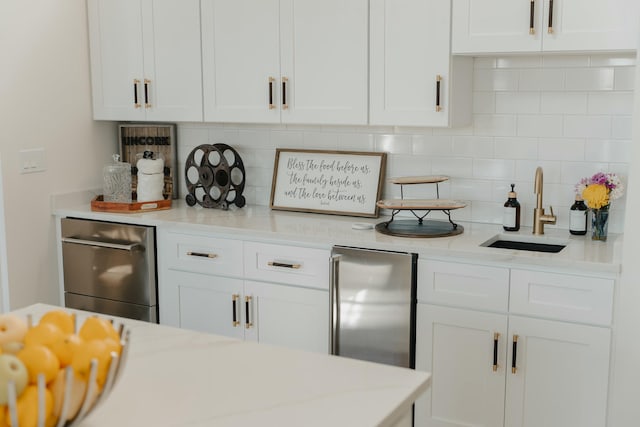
<point>145,60</point>
<point>414,79</point>
<point>285,61</point>
<point>497,26</point>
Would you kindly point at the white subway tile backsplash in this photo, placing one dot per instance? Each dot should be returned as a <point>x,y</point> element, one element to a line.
<point>614,103</point>
<point>539,125</point>
<point>494,168</point>
<point>494,125</point>
<point>621,127</point>
<point>473,146</point>
<point>561,149</point>
<point>607,150</point>
<point>541,79</point>
<point>569,114</point>
<point>625,78</point>
<point>564,103</point>
<point>589,79</point>
<point>517,102</point>
<point>495,80</point>
<point>587,126</point>
<point>516,148</point>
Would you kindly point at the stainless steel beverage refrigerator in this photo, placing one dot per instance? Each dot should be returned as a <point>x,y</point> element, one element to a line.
<point>373,295</point>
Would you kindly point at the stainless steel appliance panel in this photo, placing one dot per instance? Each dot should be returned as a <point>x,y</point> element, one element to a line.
<point>374,300</point>
<point>111,307</point>
<point>109,260</point>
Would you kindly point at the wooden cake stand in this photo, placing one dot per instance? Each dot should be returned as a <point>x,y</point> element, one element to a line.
<point>420,208</point>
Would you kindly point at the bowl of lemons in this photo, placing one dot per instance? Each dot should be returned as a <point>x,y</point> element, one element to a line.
<point>53,373</point>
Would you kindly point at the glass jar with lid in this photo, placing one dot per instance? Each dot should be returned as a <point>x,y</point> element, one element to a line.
<point>117,181</point>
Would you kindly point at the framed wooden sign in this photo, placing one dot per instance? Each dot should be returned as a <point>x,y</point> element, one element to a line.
<point>331,182</point>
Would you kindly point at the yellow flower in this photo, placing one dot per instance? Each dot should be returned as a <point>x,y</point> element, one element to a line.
<point>596,196</point>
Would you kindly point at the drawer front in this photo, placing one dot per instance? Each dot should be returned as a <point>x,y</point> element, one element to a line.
<point>292,265</point>
<point>201,254</point>
<point>562,296</point>
<point>463,285</point>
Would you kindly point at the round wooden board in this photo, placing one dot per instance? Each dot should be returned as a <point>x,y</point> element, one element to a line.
<point>421,204</point>
<point>426,179</point>
<point>412,228</point>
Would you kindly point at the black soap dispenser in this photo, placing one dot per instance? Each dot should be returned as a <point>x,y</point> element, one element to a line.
<point>511,213</point>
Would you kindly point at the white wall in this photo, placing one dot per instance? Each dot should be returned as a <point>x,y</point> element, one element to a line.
<point>45,101</point>
<point>569,114</point>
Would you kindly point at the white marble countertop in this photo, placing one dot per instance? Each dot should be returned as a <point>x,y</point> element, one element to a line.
<point>262,223</point>
<point>174,377</point>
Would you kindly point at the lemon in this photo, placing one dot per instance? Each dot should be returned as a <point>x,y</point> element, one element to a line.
<point>95,328</point>
<point>64,348</point>
<point>76,398</point>
<point>39,360</point>
<point>43,334</point>
<point>62,319</point>
<point>27,407</point>
<point>81,360</point>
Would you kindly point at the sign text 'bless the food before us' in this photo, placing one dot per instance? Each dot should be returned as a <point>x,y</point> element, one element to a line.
<point>337,182</point>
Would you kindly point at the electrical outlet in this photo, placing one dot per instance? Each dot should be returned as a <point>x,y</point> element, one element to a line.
<point>33,160</point>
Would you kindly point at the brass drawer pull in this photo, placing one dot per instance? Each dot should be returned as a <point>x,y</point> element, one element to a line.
<point>284,265</point>
<point>271,104</point>
<point>285,80</point>
<point>202,255</point>
<point>247,311</point>
<point>136,104</point>
<point>438,80</point>
<point>147,104</point>
<point>550,29</point>
<point>234,302</point>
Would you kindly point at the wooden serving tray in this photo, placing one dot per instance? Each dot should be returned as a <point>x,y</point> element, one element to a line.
<point>428,179</point>
<point>421,204</point>
<point>99,205</point>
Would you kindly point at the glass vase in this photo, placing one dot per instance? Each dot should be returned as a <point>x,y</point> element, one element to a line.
<point>600,223</point>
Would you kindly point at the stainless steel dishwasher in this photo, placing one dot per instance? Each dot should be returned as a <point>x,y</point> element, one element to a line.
<point>110,268</point>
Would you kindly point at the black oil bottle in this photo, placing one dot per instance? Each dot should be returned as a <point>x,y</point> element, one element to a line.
<point>578,217</point>
<point>511,213</point>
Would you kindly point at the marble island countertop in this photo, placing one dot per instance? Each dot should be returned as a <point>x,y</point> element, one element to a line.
<point>174,377</point>
<point>262,223</point>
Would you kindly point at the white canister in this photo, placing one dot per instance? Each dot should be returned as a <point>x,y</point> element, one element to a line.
<point>150,178</point>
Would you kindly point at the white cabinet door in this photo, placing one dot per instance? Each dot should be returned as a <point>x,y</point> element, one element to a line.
<point>145,59</point>
<point>412,77</point>
<point>324,61</point>
<point>172,60</point>
<point>241,60</point>
<point>457,347</point>
<point>202,303</point>
<point>495,26</point>
<point>591,25</point>
<point>115,37</point>
<point>289,61</point>
<point>288,316</point>
<point>561,376</point>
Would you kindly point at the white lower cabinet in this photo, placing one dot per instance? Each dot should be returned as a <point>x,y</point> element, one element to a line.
<point>203,287</point>
<point>457,346</point>
<point>507,365</point>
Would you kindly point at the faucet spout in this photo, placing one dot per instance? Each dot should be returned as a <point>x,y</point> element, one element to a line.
<point>539,217</point>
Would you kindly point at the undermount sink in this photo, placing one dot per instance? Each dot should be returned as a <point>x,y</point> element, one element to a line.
<point>526,243</point>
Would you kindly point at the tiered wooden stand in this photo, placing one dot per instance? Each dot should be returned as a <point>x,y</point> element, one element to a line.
<point>420,208</point>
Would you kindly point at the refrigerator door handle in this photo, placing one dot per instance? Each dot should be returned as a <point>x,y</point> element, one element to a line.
<point>334,304</point>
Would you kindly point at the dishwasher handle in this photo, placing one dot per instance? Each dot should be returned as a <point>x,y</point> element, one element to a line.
<point>334,306</point>
<point>122,247</point>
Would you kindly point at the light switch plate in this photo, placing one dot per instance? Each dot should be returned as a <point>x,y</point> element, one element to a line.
<point>33,160</point>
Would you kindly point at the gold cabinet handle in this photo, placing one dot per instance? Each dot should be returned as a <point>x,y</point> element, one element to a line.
<point>438,81</point>
<point>234,302</point>
<point>496,337</point>
<point>514,355</point>
<point>284,265</point>
<point>247,312</point>
<point>272,105</point>
<point>550,29</point>
<point>532,12</point>
<point>285,106</point>
<point>201,254</point>
<point>136,104</point>
<point>147,104</point>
